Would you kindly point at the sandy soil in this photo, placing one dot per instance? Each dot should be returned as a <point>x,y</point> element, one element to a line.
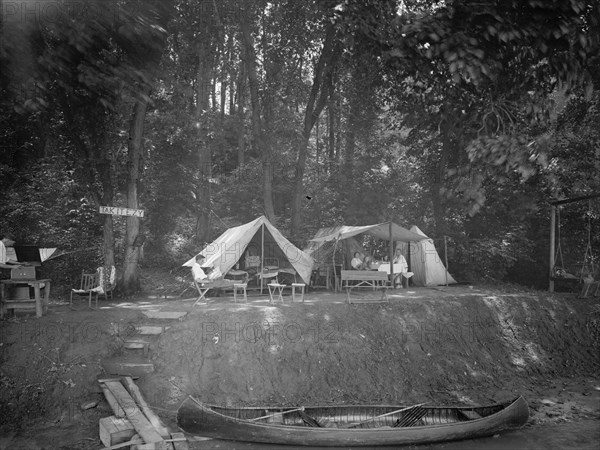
<point>445,345</point>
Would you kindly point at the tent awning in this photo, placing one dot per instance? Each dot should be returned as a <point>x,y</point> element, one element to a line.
<point>380,230</point>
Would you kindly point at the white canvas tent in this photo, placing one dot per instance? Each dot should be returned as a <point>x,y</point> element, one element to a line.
<point>260,238</point>
<point>425,262</point>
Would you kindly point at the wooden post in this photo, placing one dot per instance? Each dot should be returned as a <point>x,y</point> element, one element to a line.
<point>446,257</point>
<point>262,256</point>
<point>552,243</point>
<point>391,251</point>
<point>335,280</point>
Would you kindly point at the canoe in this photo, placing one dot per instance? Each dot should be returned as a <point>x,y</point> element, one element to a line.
<point>360,425</point>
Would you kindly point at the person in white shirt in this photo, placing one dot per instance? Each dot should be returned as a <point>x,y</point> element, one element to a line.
<point>197,270</point>
<point>401,268</point>
<point>357,261</point>
<point>203,273</point>
<point>400,264</point>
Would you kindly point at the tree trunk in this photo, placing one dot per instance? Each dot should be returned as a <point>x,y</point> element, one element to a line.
<point>107,229</point>
<point>241,91</point>
<point>437,201</point>
<point>319,94</point>
<point>131,281</point>
<point>257,139</point>
<point>204,152</point>
<point>330,133</point>
<point>347,164</point>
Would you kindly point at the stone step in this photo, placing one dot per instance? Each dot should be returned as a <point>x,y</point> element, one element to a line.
<point>171,315</point>
<point>150,329</point>
<point>133,344</point>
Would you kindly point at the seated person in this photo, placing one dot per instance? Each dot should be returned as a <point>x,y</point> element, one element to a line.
<point>203,273</point>
<point>401,267</point>
<point>357,262</point>
<point>369,263</point>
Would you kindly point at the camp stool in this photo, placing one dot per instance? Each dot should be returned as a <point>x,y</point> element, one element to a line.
<point>242,287</point>
<point>301,286</point>
<point>276,288</point>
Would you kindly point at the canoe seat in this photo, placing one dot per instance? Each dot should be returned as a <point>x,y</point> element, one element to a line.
<point>411,417</point>
<point>308,420</point>
<point>470,414</point>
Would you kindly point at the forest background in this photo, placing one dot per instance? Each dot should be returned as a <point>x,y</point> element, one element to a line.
<point>464,117</point>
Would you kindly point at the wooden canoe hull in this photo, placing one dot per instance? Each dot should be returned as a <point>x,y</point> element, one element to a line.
<point>200,419</point>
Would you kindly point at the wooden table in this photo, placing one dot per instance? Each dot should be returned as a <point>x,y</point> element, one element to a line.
<point>365,278</point>
<point>40,303</point>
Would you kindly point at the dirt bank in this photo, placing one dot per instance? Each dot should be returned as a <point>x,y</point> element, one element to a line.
<point>452,345</point>
<point>471,346</point>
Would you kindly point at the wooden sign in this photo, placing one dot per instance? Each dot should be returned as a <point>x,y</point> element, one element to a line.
<point>116,211</point>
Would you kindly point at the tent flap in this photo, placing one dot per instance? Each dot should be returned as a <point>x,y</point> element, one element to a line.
<point>380,231</point>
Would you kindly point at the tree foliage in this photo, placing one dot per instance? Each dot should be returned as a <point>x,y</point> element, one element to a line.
<point>462,116</point>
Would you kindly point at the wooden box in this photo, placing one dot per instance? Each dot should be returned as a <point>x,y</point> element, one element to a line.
<point>114,430</point>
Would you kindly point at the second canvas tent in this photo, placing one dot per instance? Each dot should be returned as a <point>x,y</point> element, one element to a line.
<point>336,245</point>
<point>425,261</point>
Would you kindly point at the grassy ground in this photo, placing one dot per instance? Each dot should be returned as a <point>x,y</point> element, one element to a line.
<point>444,345</point>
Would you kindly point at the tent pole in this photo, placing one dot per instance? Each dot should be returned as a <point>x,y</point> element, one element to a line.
<point>335,281</point>
<point>552,244</point>
<point>262,256</point>
<point>446,256</point>
<point>391,250</point>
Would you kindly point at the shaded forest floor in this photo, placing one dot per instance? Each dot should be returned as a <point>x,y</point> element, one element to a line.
<point>442,346</point>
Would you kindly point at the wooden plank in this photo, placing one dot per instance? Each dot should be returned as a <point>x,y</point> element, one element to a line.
<point>359,275</point>
<point>471,415</point>
<point>136,439</point>
<point>165,445</point>
<point>104,380</point>
<point>128,369</point>
<point>112,401</point>
<point>384,297</point>
<point>115,430</point>
<point>179,441</point>
<point>134,344</point>
<point>149,329</point>
<point>150,415</point>
<point>133,413</point>
<point>172,315</point>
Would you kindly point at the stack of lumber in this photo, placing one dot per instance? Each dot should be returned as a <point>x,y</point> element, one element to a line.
<point>134,425</point>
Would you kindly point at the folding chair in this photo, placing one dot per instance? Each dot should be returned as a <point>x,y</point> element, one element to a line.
<point>252,264</point>
<point>207,285</point>
<point>88,287</point>
<point>271,264</point>
<point>202,290</point>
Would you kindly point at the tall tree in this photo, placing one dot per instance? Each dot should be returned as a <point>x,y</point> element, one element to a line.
<point>143,46</point>
<point>259,145</point>
<point>320,92</point>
